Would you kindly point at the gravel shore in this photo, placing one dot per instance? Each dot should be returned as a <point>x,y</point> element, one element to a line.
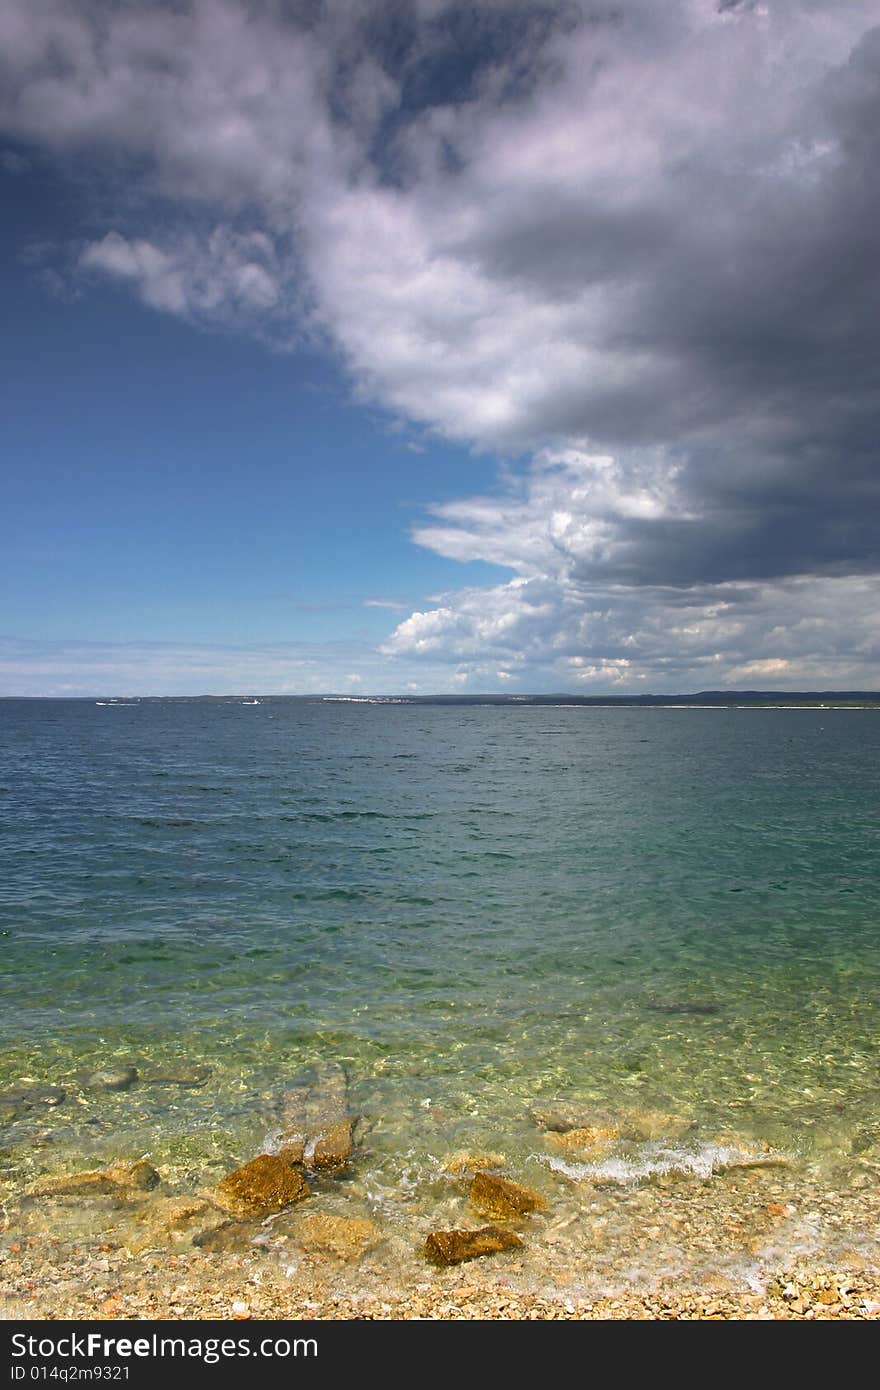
<point>80,1284</point>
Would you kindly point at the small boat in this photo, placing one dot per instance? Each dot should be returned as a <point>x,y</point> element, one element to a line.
<point>251,702</point>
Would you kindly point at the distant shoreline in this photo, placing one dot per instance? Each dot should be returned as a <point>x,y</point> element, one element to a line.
<point>703,699</point>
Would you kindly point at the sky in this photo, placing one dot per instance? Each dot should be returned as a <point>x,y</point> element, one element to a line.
<point>410,346</point>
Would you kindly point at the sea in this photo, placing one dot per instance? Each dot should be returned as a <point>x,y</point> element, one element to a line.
<point>655,928</point>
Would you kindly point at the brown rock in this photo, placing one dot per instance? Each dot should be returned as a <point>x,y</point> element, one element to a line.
<point>456,1246</point>
<point>330,1148</point>
<point>500,1197</point>
<point>466,1162</point>
<point>266,1184</point>
<point>344,1237</point>
<point>118,1179</point>
<point>831,1295</point>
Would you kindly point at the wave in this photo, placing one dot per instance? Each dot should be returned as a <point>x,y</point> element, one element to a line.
<point>660,1160</point>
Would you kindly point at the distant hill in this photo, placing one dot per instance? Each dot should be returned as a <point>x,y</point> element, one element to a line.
<point>813,698</point>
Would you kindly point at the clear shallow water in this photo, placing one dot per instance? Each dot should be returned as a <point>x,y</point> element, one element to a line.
<point>475,910</point>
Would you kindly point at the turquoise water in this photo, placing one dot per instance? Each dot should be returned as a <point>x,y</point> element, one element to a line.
<point>475,910</point>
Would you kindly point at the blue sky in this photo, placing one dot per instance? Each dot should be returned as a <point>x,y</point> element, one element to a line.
<point>177,484</point>
<point>167,484</point>
<point>417,347</point>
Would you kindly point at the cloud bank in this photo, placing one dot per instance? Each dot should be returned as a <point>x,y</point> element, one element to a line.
<point>631,250</point>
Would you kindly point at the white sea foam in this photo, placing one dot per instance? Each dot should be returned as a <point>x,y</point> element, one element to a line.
<point>276,1140</point>
<point>658,1160</point>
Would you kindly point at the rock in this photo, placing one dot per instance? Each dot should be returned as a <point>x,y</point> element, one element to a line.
<point>266,1184</point>
<point>757,1160</point>
<point>500,1197</point>
<point>738,1151</point>
<point>119,1179</point>
<point>290,1146</point>
<point>316,1105</point>
<point>316,1126</point>
<point>829,1295</point>
<point>25,1097</point>
<point>173,1214</point>
<point>141,1175</point>
<point>330,1148</point>
<point>226,1236</point>
<point>110,1079</point>
<point>567,1116</point>
<point>168,1219</point>
<point>466,1162</point>
<point>455,1246</point>
<point>177,1076</point>
<point>344,1237</point>
<point>593,1140</point>
<point>651,1124</point>
<point>698,1007</point>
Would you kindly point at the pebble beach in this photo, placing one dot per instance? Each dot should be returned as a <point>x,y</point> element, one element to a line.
<point>300,1232</point>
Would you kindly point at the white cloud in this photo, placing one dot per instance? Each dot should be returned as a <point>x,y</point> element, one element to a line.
<point>215,279</point>
<point>555,633</point>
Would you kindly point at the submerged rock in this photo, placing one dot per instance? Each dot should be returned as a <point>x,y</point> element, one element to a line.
<point>698,1007</point>
<point>167,1220</point>
<point>118,1179</point>
<point>455,1246</point>
<point>26,1097</point>
<point>346,1238</point>
<point>319,1103</point>
<point>226,1235</point>
<point>592,1140</point>
<point>171,1214</point>
<point>177,1076</point>
<point>110,1079</point>
<point>500,1197</point>
<point>466,1162</point>
<point>316,1124</point>
<point>330,1148</point>
<point>733,1152</point>
<point>266,1184</point>
<point>652,1124</point>
<point>567,1117</point>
